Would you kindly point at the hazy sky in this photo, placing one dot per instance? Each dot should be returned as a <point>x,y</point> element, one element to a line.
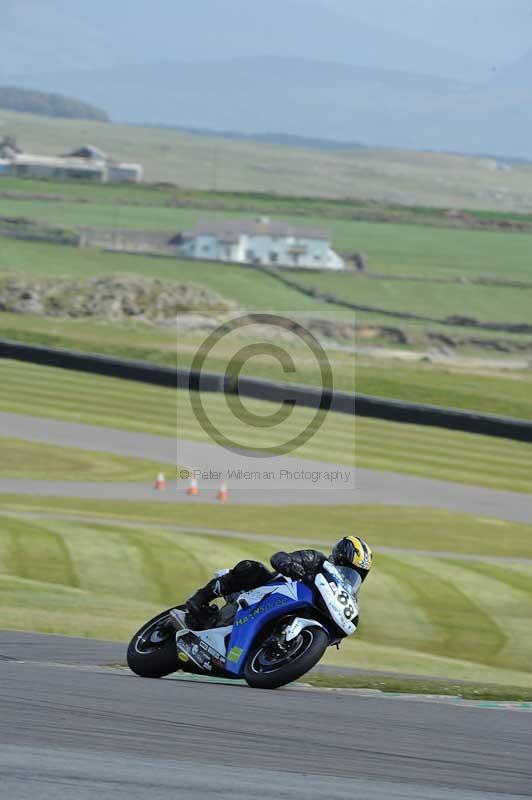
<point>498,30</point>
<point>468,40</point>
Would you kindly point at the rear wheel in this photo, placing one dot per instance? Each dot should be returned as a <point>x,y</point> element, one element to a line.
<point>152,652</point>
<point>272,664</point>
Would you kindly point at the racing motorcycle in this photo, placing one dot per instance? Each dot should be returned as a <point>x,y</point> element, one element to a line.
<point>269,636</point>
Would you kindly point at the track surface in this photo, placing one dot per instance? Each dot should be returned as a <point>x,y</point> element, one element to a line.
<point>68,729</point>
<point>361,486</point>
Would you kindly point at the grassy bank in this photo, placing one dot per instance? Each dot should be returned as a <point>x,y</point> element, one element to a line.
<point>409,529</point>
<point>25,459</point>
<point>420,614</point>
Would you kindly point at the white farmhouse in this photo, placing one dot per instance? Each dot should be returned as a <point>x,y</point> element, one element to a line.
<point>261,241</point>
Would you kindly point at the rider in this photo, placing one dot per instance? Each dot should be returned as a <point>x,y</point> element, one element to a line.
<point>351,551</point>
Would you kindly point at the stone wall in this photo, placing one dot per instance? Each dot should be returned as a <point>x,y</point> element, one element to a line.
<point>158,242</point>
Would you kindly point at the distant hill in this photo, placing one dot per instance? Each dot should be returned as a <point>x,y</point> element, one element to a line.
<point>57,35</point>
<point>305,98</point>
<point>51,105</point>
<point>271,137</point>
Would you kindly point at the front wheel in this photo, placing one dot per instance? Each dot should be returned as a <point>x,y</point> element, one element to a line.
<point>269,665</point>
<point>152,652</point>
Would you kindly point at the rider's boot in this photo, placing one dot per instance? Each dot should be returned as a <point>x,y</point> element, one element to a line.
<point>198,606</point>
<point>244,576</point>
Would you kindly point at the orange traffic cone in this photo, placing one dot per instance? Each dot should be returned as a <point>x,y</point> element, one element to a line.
<point>160,483</point>
<point>193,487</point>
<point>223,494</point>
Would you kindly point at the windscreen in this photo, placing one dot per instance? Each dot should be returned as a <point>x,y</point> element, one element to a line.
<point>351,578</point>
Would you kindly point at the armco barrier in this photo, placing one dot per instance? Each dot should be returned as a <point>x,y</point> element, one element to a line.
<point>438,417</point>
<point>310,396</point>
<point>115,367</point>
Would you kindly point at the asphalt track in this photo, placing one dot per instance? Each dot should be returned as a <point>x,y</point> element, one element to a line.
<point>286,486</point>
<point>70,727</point>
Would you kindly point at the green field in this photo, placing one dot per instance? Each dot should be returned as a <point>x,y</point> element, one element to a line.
<point>259,291</point>
<point>427,614</point>
<point>394,248</point>
<point>251,289</point>
<point>415,450</point>
<point>164,195</point>
<point>501,304</point>
<point>492,392</point>
<point>406,177</point>
<point>25,459</point>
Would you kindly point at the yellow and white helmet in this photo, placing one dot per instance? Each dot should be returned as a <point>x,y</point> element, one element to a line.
<point>351,551</point>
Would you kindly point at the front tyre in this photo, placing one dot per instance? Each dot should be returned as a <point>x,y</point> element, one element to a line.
<point>269,666</point>
<point>152,652</point>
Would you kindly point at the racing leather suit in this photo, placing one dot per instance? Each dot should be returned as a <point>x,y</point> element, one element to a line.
<point>247,575</point>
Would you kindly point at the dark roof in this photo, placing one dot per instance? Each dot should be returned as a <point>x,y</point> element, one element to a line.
<point>230,230</point>
<point>88,151</point>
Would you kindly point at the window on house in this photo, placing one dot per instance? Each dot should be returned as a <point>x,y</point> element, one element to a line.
<point>274,257</point>
<point>250,255</point>
<point>206,248</point>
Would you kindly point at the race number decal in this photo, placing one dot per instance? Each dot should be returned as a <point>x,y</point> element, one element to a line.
<point>341,606</point>
<point>344,599</point>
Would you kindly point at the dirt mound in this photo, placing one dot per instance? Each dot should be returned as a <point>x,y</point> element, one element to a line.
<point>113,297</point>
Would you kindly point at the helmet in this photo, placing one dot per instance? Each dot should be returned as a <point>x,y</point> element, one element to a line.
<point>353,552</point>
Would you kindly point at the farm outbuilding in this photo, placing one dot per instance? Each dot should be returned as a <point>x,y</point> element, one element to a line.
<point>59,168</point>
<point>87,163</point>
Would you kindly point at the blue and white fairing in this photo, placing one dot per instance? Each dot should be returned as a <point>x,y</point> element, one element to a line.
<point>263,605</point>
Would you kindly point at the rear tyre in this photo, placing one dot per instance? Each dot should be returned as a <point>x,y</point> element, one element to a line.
<point>152,652</point>
<point>267,668</point>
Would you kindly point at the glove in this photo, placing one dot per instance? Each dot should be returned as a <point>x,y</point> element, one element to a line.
<point>288,566</point>
<point>296,571</point>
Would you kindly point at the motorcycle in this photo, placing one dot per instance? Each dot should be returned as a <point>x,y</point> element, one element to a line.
<point>269,636</point>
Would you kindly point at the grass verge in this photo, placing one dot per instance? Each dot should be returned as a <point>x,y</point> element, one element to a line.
<point>414,685</point>
<point>24,459</point>
<point>410,529</point>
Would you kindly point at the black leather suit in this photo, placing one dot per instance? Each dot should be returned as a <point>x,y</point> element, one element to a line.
<point>247,575</point>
